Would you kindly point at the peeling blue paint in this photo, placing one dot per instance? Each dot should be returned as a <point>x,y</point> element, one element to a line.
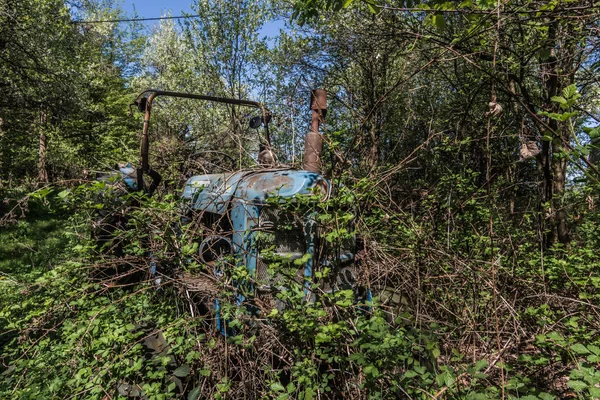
<point>243,194</point>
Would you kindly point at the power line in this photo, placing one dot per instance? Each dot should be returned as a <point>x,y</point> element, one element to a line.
<point>133,19</point>
<point>410,9</point>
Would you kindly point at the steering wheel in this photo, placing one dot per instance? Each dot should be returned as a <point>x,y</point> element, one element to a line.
<point>208,162</point>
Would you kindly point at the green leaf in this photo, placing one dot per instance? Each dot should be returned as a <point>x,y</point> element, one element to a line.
<point>41,193</point>
<point>182,371</point>
<point>344,303</point>
<point>439,21</point>
<point>594,392</point>
<point>557,337</point>
<point>371,370</point>
<point>559,99</point>
<point>558,117</point>
<point>449,381</point>
<point>410,373</point>
<point>420,369</point>
<point>577,385</point>
<point>137,365</point>
<point>277,387</point>
<point>478,396</point>
<point>308,393</point>
<point>189,249</point>
<point>374,8</point>
<point>440,379</point>
<point>194,394</point>
<point>594,349</point>
<point>479,365</point>
<point>592,132</point>
<point>580,349</point>
<point>546,396</point>
<point>291,388</point>
<point>570,92</point>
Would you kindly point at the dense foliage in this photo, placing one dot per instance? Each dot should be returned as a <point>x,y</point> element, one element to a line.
<point>461,138</point>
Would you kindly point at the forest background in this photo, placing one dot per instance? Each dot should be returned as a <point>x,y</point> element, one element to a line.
<point>463,134</point>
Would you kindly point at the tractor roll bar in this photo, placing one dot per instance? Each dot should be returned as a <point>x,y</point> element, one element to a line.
<point>144,104</point>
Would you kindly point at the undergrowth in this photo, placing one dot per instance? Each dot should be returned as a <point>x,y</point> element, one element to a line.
<point>456,314</point>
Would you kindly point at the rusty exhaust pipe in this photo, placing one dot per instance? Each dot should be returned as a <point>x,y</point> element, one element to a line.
<point>313,145</point>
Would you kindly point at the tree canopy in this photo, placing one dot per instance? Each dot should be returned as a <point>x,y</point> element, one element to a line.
<point>461,143</point>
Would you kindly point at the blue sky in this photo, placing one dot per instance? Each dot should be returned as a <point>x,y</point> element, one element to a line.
<point>158,8</point>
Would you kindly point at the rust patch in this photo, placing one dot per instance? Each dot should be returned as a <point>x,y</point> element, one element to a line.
<point>266,183</point>
<point>312,152</point>
<point>251,180</point>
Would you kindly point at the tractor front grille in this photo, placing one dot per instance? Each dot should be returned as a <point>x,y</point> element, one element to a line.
<point>282,234</point>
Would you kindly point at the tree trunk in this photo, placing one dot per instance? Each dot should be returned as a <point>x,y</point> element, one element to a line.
<point>1,158</point>
<point>42,171</point>
<point>555,163</point>
<point>560,174</point>
<point>374,153</point>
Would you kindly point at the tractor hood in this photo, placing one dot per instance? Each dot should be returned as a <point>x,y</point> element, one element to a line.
<point>213,192</point>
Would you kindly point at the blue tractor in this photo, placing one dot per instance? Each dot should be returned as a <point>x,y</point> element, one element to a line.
<point>244,215</point>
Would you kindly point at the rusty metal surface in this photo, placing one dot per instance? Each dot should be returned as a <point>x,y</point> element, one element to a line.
<point>313,144</point>
<point>240,102</point>
<point>145,141</point>
<point>266,183</point>
<point>213,192</point>
<point>318,100</point>
<point>144,103</point>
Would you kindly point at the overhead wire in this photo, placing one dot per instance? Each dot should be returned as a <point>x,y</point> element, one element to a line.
<point>133,19</point>
<point>409,9</point>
